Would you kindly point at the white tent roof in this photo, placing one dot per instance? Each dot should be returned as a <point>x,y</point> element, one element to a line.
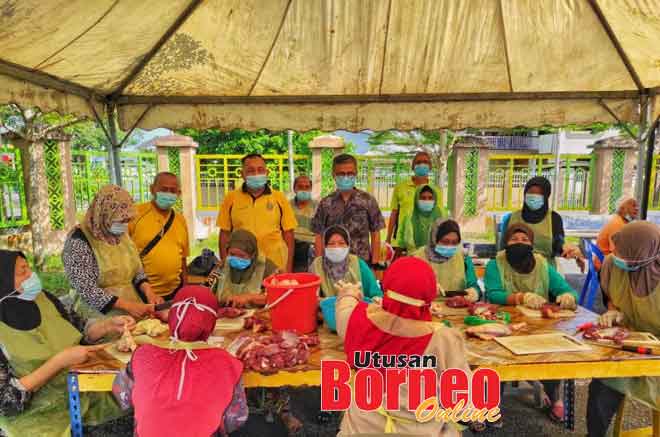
<point>333,64</point>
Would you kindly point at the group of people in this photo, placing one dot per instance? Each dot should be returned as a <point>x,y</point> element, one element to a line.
<point>124,259</point>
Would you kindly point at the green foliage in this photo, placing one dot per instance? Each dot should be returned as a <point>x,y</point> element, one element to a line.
<point>240,142</point>
<point>409,138</point>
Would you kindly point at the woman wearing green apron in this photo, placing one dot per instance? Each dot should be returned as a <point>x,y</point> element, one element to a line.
<point>337,264</point>
<point>547,225</point>
<point>39,342</point>
<point>443,252</point>
<point>518,276</point>
<point>240,280</point>
<point>101,261</point>
<point>414,230</point>
<point>304,208</point>
<point>630,277</point>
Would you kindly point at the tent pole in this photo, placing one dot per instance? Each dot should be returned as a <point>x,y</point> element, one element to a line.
<point>650,148</point>
<point>644,117</point>
<point>555,179</point>
<point>292,173</point>
<point>111,109</point>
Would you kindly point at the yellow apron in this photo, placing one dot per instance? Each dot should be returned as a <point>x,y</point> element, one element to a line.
<point>304,218</point>
<point>641,314</point>
<point>537,281</point>
<point>450,274</point>
<point>542,234</point>
<point>225,288</point>
<point>47,413</point>
<point>352,275</point>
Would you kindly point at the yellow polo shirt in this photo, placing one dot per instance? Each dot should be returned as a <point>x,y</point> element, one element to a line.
<point>266,217</point>
<point>163,264</point>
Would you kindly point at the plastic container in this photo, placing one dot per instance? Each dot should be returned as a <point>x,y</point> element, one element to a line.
<point>297,310</point>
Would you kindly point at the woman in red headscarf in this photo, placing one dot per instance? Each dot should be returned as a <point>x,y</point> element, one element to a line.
<point>185,387</point>
<point>401,326</point>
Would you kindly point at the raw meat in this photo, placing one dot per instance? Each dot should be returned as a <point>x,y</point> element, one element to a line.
<point>436,309</point>
<point>230,313</point>
<point>484,310</point>
<point>255,324</point>
<point>550,311</point>
<point>615,334</point>
<point>488,331</point>
<point>457,302</point>
<point>126,343</point>
<point>284,282</point>
<point>270,353</point>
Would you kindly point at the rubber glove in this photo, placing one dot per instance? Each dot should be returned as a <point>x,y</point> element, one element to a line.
<point>533,301</point>
<point>610,318</point>
<point>567,302</point>
<point>472,295</point>
<point>349,289</point>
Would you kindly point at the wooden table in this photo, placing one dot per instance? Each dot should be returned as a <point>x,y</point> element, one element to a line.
<point>600,362</point>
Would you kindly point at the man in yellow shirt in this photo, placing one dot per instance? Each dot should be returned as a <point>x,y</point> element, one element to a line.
<point>261,210</point>
<point>164,258</point>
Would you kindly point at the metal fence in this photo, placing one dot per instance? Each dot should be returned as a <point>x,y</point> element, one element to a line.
<point>654,189</point>
<point>13,207</point>
<point>508,174</point>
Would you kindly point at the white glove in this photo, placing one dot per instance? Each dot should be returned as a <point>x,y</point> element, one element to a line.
<point>472,295</point>
<point>567,302</point>
<point>610,318</point>
<point>377,301</point>
<point>349,289</point>
<point>533,301</point>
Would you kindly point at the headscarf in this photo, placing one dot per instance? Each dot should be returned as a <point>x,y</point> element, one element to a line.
<point>247,242</point>
<point>111,204</point>
<point>190,321</point>
<point>537,216</point>
<point>421,221</point>
<point>440,228</point>
<point>336,271</point>
<point>640,241</point>
<point>19,314</point>
<point>410,287</point>
<point>527,263</point>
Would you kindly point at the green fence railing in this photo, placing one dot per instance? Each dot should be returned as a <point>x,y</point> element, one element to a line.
<point>654,189</point>
<point>13,207</point>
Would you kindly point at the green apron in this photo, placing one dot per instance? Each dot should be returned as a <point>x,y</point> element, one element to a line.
<point>225,288</point>
<point>542,234</point>
<point>641,314</point>
<point>47,412</point>
<point>304,218</point>
<point>537,281</point>
<point>352,275</point>
<point>450,274</point>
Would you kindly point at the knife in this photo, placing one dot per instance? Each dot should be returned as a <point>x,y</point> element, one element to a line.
<point>163,306</point>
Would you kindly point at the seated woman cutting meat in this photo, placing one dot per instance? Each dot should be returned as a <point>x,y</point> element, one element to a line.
<point>402,325</point>
<point>39,342</point>
<point>631,280</point>
<point>453,271</point>
<point>518,276</point>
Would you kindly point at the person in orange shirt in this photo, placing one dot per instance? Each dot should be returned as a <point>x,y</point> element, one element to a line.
<point>626,212</point>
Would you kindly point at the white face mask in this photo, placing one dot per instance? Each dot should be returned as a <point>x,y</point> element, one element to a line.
<point>118,229</point>
<point>336,254</point>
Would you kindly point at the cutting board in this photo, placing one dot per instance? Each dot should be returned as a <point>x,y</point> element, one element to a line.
<point>536,314</point>
<point>444,310</point>
<point>542,344</point>
<point>636,339</point>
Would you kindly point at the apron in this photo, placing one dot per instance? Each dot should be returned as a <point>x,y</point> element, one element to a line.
<point>352,275</point>
<point>225,288</point>
<point>118,265</point>
<point>537,281</point>
<point>47,413</point>
<point>641,315</point>
<point>304,218</point>
<point>542,234</point>
<point>450,274</point>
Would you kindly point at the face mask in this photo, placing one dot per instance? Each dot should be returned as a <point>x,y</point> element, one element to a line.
<point>629,218</point>
<point>518,252</point>
<point>345,183</point>
<point>238,263</point>
<point>30,288</point>
<point>165,201</point>
<point>445,251</point>
<point>118,229</point>
<point>534,201</point>
<point>336,254</point>
<point>425,205</point>
<point>422,170</point>
<point>632,266</point>
<point>304,196</point>
<point>257,181</point>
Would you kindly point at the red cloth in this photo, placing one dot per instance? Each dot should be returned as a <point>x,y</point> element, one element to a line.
<point>197,325</point>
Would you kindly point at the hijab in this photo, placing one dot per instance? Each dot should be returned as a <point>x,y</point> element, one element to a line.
<point>336,271</point>
<point>247,242</point>
<point>111,204</point>
<point>18,314</point>
<point>640,241</point>
<point>440,228</point>
<point>410,287</point>
<point>193,322</point>
<point>520,256</point>
<point>537,216</point>
<point>422,221</point>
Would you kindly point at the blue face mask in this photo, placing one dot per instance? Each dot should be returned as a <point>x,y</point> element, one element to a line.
<point>304,196</point>
<point>425,205</point>
<point>256,182</point>
<point>345,183</point>
<point>534,201</point>
<point>445,251</point>
<point>238,263</point>
<point>626,265</point>
<point>422,170</point>
<point>30,288</point>
<point>118,229</point>
<point>165,200</point>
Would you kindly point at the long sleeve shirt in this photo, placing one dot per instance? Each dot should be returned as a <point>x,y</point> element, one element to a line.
<point>558,234</point>
<point>471,280</point>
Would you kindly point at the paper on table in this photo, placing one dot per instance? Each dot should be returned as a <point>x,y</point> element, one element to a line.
<point>542,343</point>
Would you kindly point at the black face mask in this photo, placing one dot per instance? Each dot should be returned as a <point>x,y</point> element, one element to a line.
<point>521,257</point>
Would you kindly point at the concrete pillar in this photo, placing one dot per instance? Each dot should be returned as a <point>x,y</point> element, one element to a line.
<point>471,218</point>
<point>317,146</point>
<point>186,172</point>
<point>614,173</point>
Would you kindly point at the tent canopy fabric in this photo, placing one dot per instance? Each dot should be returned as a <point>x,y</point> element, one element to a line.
<point>334,64</point>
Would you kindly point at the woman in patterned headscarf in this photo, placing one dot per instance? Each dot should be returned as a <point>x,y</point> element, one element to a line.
<point>102,263</point>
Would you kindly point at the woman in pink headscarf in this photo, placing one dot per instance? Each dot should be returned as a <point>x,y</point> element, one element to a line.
<point>185,387</point>
<point>401,326</point>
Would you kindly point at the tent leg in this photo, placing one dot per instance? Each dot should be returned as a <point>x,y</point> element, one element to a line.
<point>650,149</point>
<point>111,110</point>
<point>644,116</point>
<point>292,174</point>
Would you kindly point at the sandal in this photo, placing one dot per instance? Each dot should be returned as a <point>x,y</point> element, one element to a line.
<point>292,423</point>
<point>554,411</point>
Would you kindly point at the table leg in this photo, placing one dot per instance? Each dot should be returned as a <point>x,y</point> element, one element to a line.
<point>74,405</point>
<point>569,404</point>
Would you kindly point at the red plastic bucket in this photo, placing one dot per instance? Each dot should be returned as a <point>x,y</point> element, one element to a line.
<point>297,311</point>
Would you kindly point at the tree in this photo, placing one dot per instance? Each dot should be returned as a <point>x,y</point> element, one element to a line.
<point>240,142</point>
